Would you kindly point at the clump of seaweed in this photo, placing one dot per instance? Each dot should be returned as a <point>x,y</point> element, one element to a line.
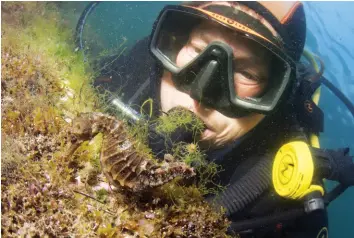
<point>190,153</point>
<point>193,156</point>
<point>177,118</point>
<point>45,85</point>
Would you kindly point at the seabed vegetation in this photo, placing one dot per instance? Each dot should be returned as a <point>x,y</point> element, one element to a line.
<point>45,84</point>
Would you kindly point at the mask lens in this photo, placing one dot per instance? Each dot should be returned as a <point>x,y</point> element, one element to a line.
<point>174,38</point>
<point>260,81</point>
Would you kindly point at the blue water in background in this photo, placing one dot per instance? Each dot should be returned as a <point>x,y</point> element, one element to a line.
<point>330,35</point>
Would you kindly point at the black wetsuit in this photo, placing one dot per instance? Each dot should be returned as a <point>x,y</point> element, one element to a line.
<point>138,75</point>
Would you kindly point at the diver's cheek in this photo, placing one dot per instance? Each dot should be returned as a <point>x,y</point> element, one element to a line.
<point>244,91</point>
<point>233,128</point>
<point>170,96</point>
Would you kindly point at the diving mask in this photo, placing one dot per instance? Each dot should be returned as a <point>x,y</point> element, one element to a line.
<point>210,76</point>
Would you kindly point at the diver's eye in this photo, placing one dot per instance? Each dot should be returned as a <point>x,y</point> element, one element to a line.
<point>197,45</point>
<point>198,50</point>
<point>248,84</point>
<point>193,51</point>
<point>245,77</point>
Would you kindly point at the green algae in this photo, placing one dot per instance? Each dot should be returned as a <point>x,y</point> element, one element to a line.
<point>169,122</point>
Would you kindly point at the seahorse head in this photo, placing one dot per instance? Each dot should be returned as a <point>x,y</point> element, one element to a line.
<point>83,127</point>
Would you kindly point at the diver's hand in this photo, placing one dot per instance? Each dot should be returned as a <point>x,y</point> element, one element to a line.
<point>342,166</point>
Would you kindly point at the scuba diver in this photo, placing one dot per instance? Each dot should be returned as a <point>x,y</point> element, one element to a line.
<point>237,66</point>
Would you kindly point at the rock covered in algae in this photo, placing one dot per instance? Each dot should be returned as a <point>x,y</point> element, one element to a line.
<point>44,193</point>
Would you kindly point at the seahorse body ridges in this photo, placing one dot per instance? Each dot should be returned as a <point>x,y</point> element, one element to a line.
<point>121,163</point>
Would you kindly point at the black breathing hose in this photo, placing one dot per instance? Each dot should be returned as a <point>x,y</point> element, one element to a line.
<point>81,23</point>
<point>339,94</point>
<point>247,189</point>
<point>266,220</point>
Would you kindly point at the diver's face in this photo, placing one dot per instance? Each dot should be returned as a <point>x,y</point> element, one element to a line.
<point>250,77</point>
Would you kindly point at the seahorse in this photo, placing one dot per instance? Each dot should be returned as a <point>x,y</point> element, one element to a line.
<point>121,163</point>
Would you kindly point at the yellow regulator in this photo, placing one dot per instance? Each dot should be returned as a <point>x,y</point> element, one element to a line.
<point>293,171</point>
